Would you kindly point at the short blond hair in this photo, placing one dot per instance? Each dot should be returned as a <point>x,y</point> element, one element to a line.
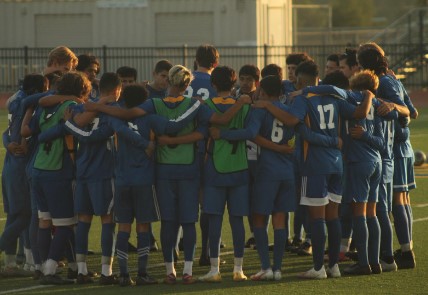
<point>364,80</point>
<point>371,45</point>
<point>62,55</point>
<point>179,76</point>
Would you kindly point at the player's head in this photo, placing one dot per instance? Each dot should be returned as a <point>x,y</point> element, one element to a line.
<point>307,74</point>
<point>371,45</point>
<point>74,83</point>
<point>110,85</point>
<point>207,56</point>
<point>292,61</point>
<point>348,62</point>
<point>53,78</point>
<point>223,78</point>
<point>35,83</point>
<point>127,75</point>
<point>62,58</point>
<point>332,63</point>
<point>336,78</point>
<point>89,65</point>
<point>365,80</point>
<point>249,76</point>
<point>272,69</point>
<point>134,95</point>
<point>270,87</point>
<point>179,77</point>
<point>372,59</point>
<point>160,74</point>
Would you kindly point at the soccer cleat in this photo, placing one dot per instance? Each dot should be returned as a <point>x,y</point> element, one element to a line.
<point>333,272</point>
<point>54,280</point>
<point>251,242</point>
<point>125,281</point>
<point>72,274</point>
<point>305,249</point>
<point>388,267</point>
<point>109,280</point>
<point>352,255</point>
<point>211,277</point>
<point>188,279</point>
<point>145,279</point>
<point>293,246</point>
<point>263,275</point>
<point>238,276</point>
<point>359,270</point>
<point>84,279</point>
<point>277,275</point>
<point>343,257</point>
<point>376,268</point>
<point>170,279</point>
<point>314,274</point>
<point>405,260</point>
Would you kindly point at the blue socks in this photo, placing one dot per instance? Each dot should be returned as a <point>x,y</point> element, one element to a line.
<point>169,230</point>
<point>107,237</point>
<point>409,213</point>
<point>143,250</point>
<point>44,239</point>
<point>361,236</point>
<point>374,239</point>
<point>82,232</point>
<point>215,222</point>
<point>59,242</point>
<point>189,240</point>
<point>122,252</point>
<point>238,233</point>
<point>318,242</point>
<point>262,243</point>
<point>205,227</point>
<point>334,236</point>
<point>385,233</point>
<point>280,237</point>
<point>401,224</point>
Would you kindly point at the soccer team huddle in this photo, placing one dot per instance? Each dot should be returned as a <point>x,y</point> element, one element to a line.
<point>335,151</point>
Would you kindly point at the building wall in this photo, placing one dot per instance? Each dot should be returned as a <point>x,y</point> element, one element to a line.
<point>137,23</point>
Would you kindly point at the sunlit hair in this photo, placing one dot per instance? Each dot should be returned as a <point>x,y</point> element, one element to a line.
<point>364,80</point>
<point>179,76</point>
<point>207,56</point>
<point>297,58</point>
<point>74,83</point>
<point>223,78</point>
<point>372,59</point>
<point>371,45</point>
<point>62,55</point>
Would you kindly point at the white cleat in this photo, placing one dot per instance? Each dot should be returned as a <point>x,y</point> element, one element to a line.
<point>263,275</point>
<point>388,267</point>
<point>277,275</point>
<point>333,272</point>
<point>314,274</point>
<point>211,277</point>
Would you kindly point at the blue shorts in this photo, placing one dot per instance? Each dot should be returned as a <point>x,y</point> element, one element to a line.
<point>236,197</point>
<point>15,187</point>
<point>274,196</point>
<point>404,175</point>
<point>362,182</point>
<point>94,197</point>
<point>178,199</point>
<point>384,202</point>
<point>55,201</point>
<point>137,202</point>
<point>318,190</point>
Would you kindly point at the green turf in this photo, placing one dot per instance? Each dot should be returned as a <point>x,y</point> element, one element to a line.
<point>401,282</point>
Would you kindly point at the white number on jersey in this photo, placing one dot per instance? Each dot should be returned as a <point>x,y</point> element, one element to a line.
<point>202,92</point>
<point>323,110</point>
<point>133,127</point>
<point>390,134</point>
<point>277,131</point>
<point>370,115</point>
<point>95,123</point>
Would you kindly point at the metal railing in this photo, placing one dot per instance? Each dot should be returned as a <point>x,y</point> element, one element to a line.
<point>15,63</point>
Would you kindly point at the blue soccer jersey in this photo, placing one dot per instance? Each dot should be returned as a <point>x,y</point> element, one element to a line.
<point>200,86</point>
<point>153,93</point>
<point>322,115</point>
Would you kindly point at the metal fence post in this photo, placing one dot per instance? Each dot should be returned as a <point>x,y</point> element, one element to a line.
<point>185,54</point>
<point>105,58</point>
<point>26,59</point>
<point>265,55</point>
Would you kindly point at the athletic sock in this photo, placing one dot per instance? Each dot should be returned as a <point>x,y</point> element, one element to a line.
<point>33,232</point>
<point>385,233</point>
<point>107,238</point>
<point>278,248</point>
<point>44,239</point>
<point>334,232</point>
<point>168,239</point>
<point>205,227</point>
<point>188,266</point>
<point>237,264</point>
<point>143,250</point>
<point>401,224</point>
<point>346,227</point>
<point>238,234</point>
<point>262,244</point>
<point>122,252</point>
<point>374,239</point>
<point>70,250</point>
<point>59,242</point>
<point>82,233</point>
<point>215,264</point>
<point>215,222</point>
<point>409,213</point>
<point>318,242</point>
<point>361,238</point>
<point>189,240</point>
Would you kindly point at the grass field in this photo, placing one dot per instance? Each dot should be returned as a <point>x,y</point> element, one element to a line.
<point>401,282</point>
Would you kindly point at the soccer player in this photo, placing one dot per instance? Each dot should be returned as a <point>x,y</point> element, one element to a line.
<point>94,187</point>
<point>90,66</point>
<point>403,179</point>
<point>226,179</point>
<point>52,179</point>
<point>292,61</point>
<point>127,75</point>
<point>321,186</point>
<point>348,63</point>
<point>159,84</point>
<point>332,63</point>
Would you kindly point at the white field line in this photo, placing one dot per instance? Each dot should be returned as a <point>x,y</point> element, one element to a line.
<point>420,205</point>
<point>25,289</point>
